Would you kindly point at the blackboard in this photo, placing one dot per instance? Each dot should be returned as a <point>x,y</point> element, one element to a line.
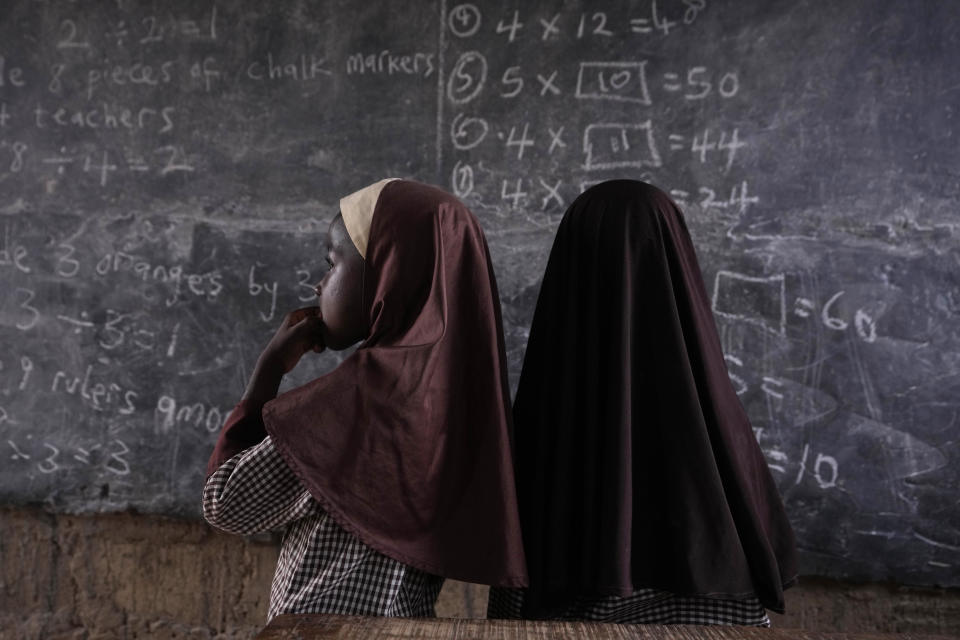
<point>167,171</point>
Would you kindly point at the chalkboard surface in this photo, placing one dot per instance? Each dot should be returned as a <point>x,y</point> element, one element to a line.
<point>167,171</point>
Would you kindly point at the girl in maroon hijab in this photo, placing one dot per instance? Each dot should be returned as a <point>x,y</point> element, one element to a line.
<point>393,471</point>
<point>643,494</point>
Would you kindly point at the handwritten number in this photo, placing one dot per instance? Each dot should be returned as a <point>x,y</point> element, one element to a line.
<point>25,305</point>
<point>49,465</point>
<point>56,85</point>
<point>694,82</point>
<point>462,180</point>
<point>26,364</point>
<point>710,199</point>
<point>176,160</point>
<point>67,267</point>
<point>110,327</point>
<point>19,149</point>
<point>123,467</point>
<point>303,280</point>
<point>694,7</point>
<point>830,321</point>
<point>69,41</point>
<point>154,33</point>
<point>729,85</point>
<point>600,29</point>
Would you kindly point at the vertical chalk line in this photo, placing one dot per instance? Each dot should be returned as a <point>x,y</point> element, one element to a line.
<point>442,42</point>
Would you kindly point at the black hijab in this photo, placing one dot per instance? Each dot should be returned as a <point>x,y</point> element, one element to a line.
<point>636,463</point>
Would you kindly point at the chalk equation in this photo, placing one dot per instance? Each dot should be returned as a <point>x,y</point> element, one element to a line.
<point>466,21</point>
<point>623,122</point>
<point>763,301</point>
<point>109,457</point>
<point>143,30</point>
<point>620,81</point>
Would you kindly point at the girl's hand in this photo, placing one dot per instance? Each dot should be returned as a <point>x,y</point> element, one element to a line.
<point>300,331</point>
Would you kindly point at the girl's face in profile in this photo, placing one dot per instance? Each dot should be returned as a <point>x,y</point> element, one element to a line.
<point>340,291</point>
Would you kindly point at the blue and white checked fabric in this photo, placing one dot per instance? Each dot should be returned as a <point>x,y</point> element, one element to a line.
<point>645,606</point>
<point>322,568</point>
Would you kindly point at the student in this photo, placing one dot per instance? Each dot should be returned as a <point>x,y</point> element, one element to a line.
<point>643,494</point>
<point>393,471</point>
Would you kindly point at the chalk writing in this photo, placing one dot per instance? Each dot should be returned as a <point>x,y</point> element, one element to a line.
<point>545,193</point>
<point>739,199</point>
<point>306,286</point>
<point>256,288</point>
<point>13,254</point>
<point>467,78</point>
<point>207,285</point>
<point>17,152</point>
<point>521,142</point>
<point>389,63</point>
<point>137,73</point>
<point>25,314</point>
<point>125,329</point>
<point>100,396</point>
<point>303,68</point>
<point>106,116</point>
<point>464,20</point>
<point>824,480</point>
<point>462,180</point>
<point>700,83</point>
<point>102,169</point>
<point>616,145</point>
<point>824,468</point>
<point>26,365</point>
<point>704,143</point>
<point>510,28</point>
<point>67,265</point>
<point>864,324</point>
<point>205,71</point>
<point>152,29</point>
<point>624,81</point>
<point>468,132</point>
<point>49,458</point>
<point>70,37</point>
<point>550,28</point>
<point>758,300</point>
<point>10,75</point>
<point>171,414</point>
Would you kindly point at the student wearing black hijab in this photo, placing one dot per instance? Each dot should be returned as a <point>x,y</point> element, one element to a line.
<point>643,494</point>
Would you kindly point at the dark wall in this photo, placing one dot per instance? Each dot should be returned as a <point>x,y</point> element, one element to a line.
<point>167,171</point>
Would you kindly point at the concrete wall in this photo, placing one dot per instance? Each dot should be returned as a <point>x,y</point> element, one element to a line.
<point>129,576</point>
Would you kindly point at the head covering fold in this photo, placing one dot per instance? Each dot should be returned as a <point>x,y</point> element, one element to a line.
<point>636,463</point>
<point>406,443</point>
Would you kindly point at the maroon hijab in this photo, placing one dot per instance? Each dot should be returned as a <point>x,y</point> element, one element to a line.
<point>406,444</point>
<point>636,463</point>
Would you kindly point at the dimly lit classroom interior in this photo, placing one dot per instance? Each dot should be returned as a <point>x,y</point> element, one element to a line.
<point>546,319</point>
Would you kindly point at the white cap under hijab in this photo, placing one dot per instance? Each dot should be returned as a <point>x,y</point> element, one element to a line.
<point>357,210</point>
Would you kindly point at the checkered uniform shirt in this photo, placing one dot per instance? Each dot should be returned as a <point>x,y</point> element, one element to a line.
<point>645,606</point>
<point>322,568</point>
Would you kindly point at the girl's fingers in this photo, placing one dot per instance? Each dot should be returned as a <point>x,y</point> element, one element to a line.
<point>298,316</point>
<point>310,330</point>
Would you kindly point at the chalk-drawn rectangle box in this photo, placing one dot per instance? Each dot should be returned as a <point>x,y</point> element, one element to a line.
<point>622,81</point>
<point>615,145</point>
<point>755,300</point>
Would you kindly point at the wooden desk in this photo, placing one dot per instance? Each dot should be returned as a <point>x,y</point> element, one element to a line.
<point>327,627</point>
